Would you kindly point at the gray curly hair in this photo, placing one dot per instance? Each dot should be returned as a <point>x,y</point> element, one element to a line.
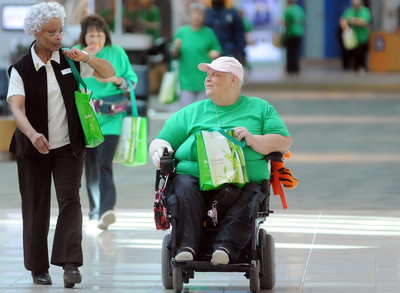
<point>41,14</point>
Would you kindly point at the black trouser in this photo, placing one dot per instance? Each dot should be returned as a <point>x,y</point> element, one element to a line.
<point>293,46</point>
<point>99,177</point>
<point>234,230</point>
<point>360,56</point>
<point>34,176</point>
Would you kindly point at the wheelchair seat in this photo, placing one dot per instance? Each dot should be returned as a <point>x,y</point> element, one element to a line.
<point>256,260</point>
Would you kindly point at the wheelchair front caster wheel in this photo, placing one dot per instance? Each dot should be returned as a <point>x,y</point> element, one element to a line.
<point>254,277</point>
<point>177,279</point>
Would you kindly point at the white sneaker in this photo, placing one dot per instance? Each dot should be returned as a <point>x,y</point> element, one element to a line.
<point>106,220</point>
<point>91,227</point>
<point>220,257</point>
<point>185,254</point>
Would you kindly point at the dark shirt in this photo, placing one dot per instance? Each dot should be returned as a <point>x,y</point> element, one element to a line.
<point>228,26</point>
<point>35,86</point>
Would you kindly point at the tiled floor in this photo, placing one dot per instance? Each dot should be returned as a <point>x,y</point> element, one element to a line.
<point>316,251</point>
<point>341,233</point>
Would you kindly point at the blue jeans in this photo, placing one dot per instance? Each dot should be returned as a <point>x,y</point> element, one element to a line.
<point>99,177</point>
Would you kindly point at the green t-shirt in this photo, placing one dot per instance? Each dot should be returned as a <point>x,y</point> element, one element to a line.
<point>294,19</point>
<point>151,15</point>
<point>257,115</point>
<point>194,50</point>
<point>111,125</point>
<point>362,32</point>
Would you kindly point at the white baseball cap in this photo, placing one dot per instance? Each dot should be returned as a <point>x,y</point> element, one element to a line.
<point>224,64</point>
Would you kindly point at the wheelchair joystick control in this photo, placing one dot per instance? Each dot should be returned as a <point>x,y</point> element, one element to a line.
<point>167,163</point>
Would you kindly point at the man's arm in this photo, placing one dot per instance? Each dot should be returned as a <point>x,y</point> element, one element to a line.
<point>264,144</point>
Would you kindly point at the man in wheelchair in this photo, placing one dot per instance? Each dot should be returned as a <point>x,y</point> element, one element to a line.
<point>253,120</point>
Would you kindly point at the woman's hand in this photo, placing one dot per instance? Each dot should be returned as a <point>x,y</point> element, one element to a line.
<point>114,79</point>
<point>344,24</point>
<point>93,49</point>
<point>213,54</point>
<point>40,143</point>
<point>176,45</point>
<point>76,55</point>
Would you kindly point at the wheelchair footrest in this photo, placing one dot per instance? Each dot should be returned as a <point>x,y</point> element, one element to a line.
<point>205,266</point>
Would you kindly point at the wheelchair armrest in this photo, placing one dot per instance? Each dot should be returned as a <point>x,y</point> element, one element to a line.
<point>256,200</point>
<point>167,163</point>
<point>274,156</point>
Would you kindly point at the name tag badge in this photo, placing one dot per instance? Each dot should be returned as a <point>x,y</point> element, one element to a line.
<point>66,71</point>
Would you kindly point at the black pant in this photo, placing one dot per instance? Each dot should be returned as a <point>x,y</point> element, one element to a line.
<point>359,56</point>
<point>99,177</point>
<point>293,46</point>
<point>234,230</point>
<point>34,176</point>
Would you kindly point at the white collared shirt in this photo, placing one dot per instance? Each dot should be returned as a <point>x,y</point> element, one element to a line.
<point>57,114</point>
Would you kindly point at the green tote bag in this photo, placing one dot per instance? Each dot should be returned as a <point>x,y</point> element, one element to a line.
<point>220,159</point>
<point>87,114</point>
<point>132,144</point>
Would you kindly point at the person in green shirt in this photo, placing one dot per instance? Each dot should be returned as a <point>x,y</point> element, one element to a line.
<point>252,119</point>
<point>193,44</point>
<point>358,17</point>
<point>150,18</point>
<point>294,22</point>
<point>110,103</point>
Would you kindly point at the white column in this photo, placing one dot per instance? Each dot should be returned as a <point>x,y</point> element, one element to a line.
<point>118,17</point>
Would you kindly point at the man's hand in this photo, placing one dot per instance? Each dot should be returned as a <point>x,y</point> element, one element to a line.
<point>242,132</point>
<point>156,150</point>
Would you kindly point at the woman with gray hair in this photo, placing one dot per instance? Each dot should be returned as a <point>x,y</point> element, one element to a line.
<point>193,44</point>
<point>49,142</point>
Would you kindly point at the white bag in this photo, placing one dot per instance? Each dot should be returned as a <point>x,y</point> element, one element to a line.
<point>349,38</point>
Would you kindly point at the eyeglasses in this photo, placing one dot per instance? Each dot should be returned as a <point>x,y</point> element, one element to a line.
<point>54,34</point>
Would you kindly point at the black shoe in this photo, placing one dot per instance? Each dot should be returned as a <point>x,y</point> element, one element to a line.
<point>72,276</point>
<point>42,279</point>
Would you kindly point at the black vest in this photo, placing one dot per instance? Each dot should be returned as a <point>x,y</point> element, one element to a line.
<point>35,85</point>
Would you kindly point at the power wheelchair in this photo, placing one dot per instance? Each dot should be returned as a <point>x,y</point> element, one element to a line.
<point>257,259</point>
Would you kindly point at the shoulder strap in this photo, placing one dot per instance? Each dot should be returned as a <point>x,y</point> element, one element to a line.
<point>135,112</point>
<point>241,143</point>
<point>75,72</point>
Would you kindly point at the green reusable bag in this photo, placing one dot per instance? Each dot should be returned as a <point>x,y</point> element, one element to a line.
<point>132,144</point>
<point>349,38</point>
<point>168,90</point>
<point>169,85</point>
<point>220,159</point>
<point>87,114</point>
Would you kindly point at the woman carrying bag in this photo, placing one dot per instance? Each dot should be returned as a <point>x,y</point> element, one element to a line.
<point>110,104</point>
<point>49,142</point>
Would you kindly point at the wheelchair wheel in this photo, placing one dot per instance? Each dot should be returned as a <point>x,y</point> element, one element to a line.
<point>268,277</point>
<point>166,266</point>
<point>254,277</point>
<point>177,279</point>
